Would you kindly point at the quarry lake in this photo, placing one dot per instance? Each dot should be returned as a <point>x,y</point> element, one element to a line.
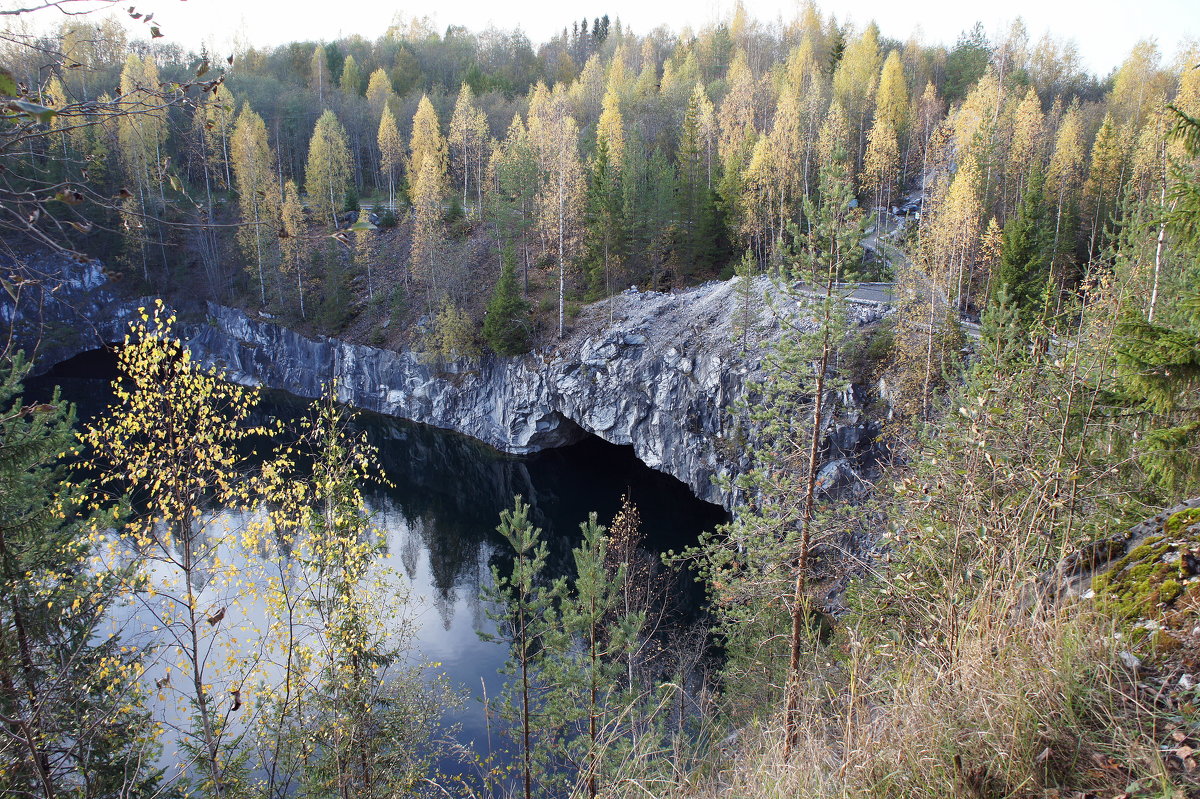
<point>438,518</point>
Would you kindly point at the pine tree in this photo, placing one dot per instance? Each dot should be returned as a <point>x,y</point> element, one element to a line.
<point>1159,363</point>
<point>73,712</point>
<point>967,62</point>
<point>588,674</point>
<point>526,607</point>
<point>649,183</point>
<point>757,567</point>
<point>694,163</point>
<point>514,181</point>
<point>604,219</point>
<point>748,301</point>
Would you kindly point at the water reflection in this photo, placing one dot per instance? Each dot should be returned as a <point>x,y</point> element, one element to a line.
<point>439,515</point>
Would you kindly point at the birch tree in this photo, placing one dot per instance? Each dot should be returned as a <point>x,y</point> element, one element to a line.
<point>328,173</point>
<point>391,152</point>
<point>258,193</point>
<point>560,198</point>
<point>468,144</point>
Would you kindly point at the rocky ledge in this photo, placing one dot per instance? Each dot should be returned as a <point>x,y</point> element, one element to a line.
<point>658,372</point>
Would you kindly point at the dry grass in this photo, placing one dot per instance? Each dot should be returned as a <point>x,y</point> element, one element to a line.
<point>1039,707</point>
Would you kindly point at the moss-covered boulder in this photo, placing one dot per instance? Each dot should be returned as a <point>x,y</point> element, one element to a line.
<point>1156,584</point>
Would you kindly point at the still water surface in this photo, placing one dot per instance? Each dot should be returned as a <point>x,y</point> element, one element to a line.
<point>439,517</point>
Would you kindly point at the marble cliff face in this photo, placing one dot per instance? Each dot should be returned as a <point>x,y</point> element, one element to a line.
<point>658,372</point>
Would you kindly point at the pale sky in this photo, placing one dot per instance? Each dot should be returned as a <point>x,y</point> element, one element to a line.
<point>1104,30</point>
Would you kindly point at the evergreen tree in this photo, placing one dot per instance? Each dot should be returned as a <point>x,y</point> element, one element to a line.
<point>1024,265</point>
<point>1159,364</point>
<point>506,322</point>
<point>748,301</point>
<point>511,203</point>
<point>589,665</point>
<point>967,62</point>
<point>1064,177</point>
<point>697,145</point>
<point>526,616</point>
<point>74,719</point>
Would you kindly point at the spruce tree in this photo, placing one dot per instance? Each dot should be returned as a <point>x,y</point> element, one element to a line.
<point>1160,363</point>
<point>506,321</point>
<point>604,218</point>
<point>1024,265</point>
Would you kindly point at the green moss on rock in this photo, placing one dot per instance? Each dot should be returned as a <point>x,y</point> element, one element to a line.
<point>1148,580</point>
<point>1180,522</point>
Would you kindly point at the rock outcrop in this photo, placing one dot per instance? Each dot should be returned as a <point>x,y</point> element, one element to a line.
<point>56,307</point>
<point>654,371</point>
<point>657,372</point>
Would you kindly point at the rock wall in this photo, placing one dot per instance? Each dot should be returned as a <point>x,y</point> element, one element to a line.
<point>56,307</point>
<point>654,371</point>
<point>658,372</point>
